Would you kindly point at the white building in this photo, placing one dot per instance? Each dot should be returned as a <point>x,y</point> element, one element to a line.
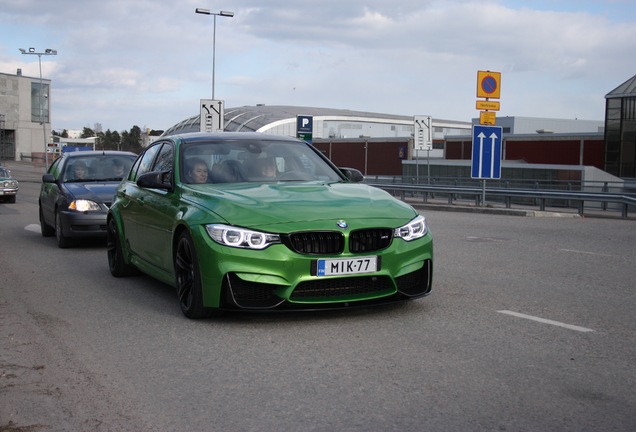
<point>25,124</point>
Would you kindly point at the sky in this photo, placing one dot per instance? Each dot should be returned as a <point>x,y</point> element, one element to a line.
<point>148,63</point>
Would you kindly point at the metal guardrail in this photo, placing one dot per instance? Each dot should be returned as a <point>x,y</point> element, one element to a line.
<point>506,195</point>
<point>517,183</point>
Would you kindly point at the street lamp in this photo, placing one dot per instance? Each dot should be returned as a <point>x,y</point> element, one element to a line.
<point>47,52</point>
<point>227,14</point>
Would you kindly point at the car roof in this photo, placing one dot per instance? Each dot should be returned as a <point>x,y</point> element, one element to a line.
<point>220,136</point>
<point>97,153</point>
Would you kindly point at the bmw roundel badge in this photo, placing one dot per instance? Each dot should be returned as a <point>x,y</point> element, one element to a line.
<point>342,224</point>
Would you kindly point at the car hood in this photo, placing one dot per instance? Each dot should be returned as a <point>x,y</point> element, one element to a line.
<point>265,205</point>
<point>94,191</point>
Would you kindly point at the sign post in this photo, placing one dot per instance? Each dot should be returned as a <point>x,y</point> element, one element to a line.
<point>489,87</point>
<point>212,115</point>
<point>423,133</point>
<point>305,128</point>
<point>486,161</point>
<point>487,138</point>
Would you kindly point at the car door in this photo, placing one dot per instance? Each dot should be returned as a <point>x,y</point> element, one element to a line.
<point>156,216</point>
<point>49,193</point>
<point>130,197</point>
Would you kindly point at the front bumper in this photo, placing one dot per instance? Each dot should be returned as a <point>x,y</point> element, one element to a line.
<point>8,192</point>
<point>83,224</point>
<point>278,278</point>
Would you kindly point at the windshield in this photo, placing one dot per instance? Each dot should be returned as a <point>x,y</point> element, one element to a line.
<point>4,173</point>
<point>232,161</point>
<point>97,168</point>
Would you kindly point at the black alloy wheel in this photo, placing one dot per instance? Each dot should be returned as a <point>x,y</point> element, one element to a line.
<point>46,229</point>
<point>188,278</point>
<point>116,264</point>
<point>62,240</point>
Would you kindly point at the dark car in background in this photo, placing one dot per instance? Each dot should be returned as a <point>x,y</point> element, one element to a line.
<point>8,186</point>
<point>77,191</point>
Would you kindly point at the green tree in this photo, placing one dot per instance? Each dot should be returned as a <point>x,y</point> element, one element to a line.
<point>109,140</point>
<point>87,133</point>
<point>131,140</point>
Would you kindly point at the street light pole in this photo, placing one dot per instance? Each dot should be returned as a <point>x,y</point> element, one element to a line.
<point>47,51</point>
<point>227,14</point>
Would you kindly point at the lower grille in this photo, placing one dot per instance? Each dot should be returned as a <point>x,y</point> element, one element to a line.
<point>344,287</point>
<point>417,283</point>
<point>251,295</point>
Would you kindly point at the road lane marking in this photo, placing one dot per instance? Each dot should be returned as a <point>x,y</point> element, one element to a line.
<point>546,321</point>
<point>33,228</point>
<point>587,253</point>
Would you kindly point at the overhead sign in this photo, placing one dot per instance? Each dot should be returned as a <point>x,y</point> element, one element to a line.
<point>305,128</point>
<point>486,162</point>
<point>423,130</point>
<point>212,115</point>
<point>488,84</point>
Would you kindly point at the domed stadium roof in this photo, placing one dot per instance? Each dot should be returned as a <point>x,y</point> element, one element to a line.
<point>259,118</point>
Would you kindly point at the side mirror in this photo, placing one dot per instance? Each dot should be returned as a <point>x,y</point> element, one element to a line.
<point>156,180</point>
<point>352,174</point>
<point>48,178</point>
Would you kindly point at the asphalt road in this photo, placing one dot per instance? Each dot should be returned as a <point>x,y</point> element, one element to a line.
<point>531,326</point>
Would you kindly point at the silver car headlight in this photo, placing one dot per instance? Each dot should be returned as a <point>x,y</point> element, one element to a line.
<point>413,230</point>
<point>84,205</point>
<point>241,237</point>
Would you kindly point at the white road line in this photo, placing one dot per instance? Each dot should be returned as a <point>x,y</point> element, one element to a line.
<point>33,228</point>
<point>587,253</point>
<point>546,321</point>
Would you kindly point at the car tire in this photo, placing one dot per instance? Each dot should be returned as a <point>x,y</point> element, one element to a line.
<point>188,278</point>
<point>62,240</point>
<point>117,265</point>
<point>46,229</point>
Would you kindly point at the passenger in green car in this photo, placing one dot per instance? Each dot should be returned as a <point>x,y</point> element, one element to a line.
<point>268,167</point>
<point>197,171</point>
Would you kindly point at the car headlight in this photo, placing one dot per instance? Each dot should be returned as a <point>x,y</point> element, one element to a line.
<point>241,237</point>
<point>84,205</point>
<point>413,230</point>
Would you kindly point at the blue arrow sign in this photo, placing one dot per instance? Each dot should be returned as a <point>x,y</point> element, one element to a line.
<point>486,163</point>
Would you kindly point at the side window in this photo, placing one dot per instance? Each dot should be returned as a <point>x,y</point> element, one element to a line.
<point>165,159</point>
<point>55,168</point>
<point>132,176</point>
<point>146,160</point>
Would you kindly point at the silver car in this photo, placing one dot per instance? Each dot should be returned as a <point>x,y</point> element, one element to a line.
<point>8,186</point>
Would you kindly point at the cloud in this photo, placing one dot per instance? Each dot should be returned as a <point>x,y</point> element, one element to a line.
<point>122,63</point>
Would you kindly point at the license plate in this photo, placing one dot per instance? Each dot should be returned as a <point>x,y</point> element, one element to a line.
<point>347,266</point>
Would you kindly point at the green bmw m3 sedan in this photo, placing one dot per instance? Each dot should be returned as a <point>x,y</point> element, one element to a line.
<point>251,221</point>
